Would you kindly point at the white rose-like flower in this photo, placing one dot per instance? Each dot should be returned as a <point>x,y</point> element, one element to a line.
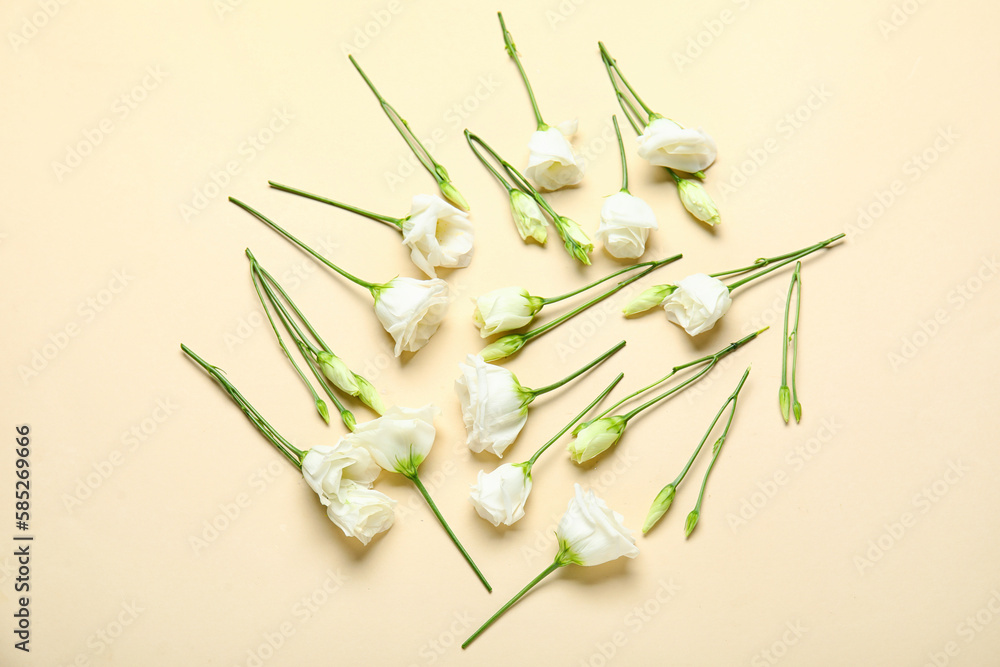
<point>499,496</point>
<point>625,224</point>
<point>400,439</point>
<point>411,310</point>
<point>494,405</point>
<point>505,309</point>
<point>698,303</point>
<point>552,163</point>
<point>667,144</point>
<point>359,511</point>
<point>590,533</point>
<point>326,467</point>
<point>438,234</point>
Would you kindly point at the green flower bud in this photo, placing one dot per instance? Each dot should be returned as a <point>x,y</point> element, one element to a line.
<point>323,411</point>
<point>697,201</point>
<point>502,347</point>
<point>649,298</point>
<point>660,506</point>
<point>692,521</point>
<point>452,194</point>
<point>576,240</point>
<point>784,401</point>
<point>348,418</point>
<point>797,410</point>
<point>337,372</point>
<point>596,438</point>
<point>369,395</point>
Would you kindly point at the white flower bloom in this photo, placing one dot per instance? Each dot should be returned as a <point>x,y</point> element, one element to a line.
<point>697,201</point>
<point>505,309</point>
<point>625,224</point>
<point>528,217</point>
<point>698,303</point>
<point>400,439</point>
<point>596,438</point>
<point>494,405</point>
<point>648,298</point>
<point>411,310</point>
<point>359,511</point>
<point>667,144</point>
<point>552,164</point>
<point>590,533</point>
<point>325,467</point>
<point>499,496</point>
<point>337,372</point>
<point>438,234</point>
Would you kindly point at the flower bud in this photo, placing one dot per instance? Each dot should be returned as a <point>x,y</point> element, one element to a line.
<point>502,347</point>
<point>337,372</point>
<point>505,309</point>
<point>797,411</point>
<point>369,395</point>
<point>452,194</point>
<point>697,201</point>
<point>649,298</point>
<point>596,438</point>
<point>348,418</point>
<point>690,523</point>
<point>660,506</point>
<point>528,217</point>
<point>576,240</point>
<point>784,401</point>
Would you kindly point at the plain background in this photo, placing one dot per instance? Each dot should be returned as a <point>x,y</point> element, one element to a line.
<point>864,535</point>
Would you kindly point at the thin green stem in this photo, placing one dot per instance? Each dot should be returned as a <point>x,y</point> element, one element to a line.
<point>500,612</point>
<point>797,281</point>
<point>289,450</point>
<point>784,338</point>
<point>561,297</point>
<point>508,43</point>
<point>575,374</point>
<point>612,64</point>
<point>403,127</point>
<point>471,138</point>
<point>554,323</point>
<point>346,415</point>
<point>621,152</point>
<point>395,222</point>
<point>697,450</point>
<point>312,330</point>
<point>372,287</point>
<point>733,399</point>
<point>785,259</point>
<point>423,491</point>
<point>607,390</point>
<point>516,177</point>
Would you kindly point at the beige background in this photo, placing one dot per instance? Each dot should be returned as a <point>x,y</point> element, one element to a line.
<point>865,535</point>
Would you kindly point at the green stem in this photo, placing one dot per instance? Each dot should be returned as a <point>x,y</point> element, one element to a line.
<point>422,154</point>
<point>575,374</point>
<point>423,491</point>
<point>257,279</point>
<point>713,358</point>
<point>289,450</point>
<point>791,257</point>
<point>395,222</point>
<point>516,177</point>
<point>554,323</point>
<point>372,287</point>
<point>508,43</point>
<point>733,398</point>
<point>701,444</point>
<point>621,152</point>
<point>561,297</point>
<point>470,138</point>
<point>607,390</point>
<point>500,612</point>
<point>346,415</point>
<point>797,281</point>
<point>312,330</point>
<point>611,64</point>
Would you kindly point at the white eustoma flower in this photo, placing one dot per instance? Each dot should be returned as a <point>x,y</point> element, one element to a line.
<point>595,438</point>
<point>625,224</point>
<point>505,309</point>
<point>698,303</point>
<point>590,533</point>
<point>697,201</point>
<point>499,496</point>
<point>325,467</point>
<point>438,234</point>
<point>411,310</point>
<point>494,405</point>
<point>400,439</point>
<point>665,143</point>
<point>359,511</point>
<point>528,217</point>
<point>552,163</point>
